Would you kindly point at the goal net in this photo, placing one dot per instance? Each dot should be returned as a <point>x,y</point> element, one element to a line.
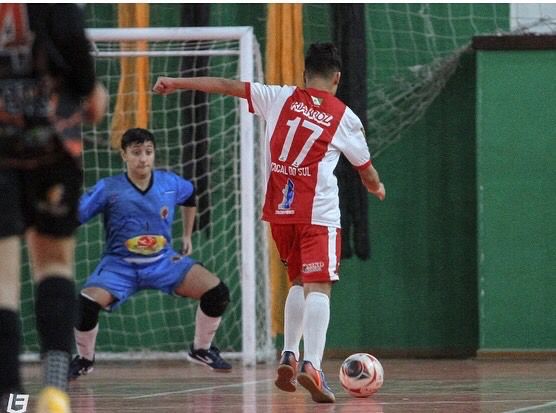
<point>209,139</point>
<point>412,50</point>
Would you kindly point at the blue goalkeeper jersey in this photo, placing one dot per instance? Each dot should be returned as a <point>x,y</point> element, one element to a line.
<point>136,223</point>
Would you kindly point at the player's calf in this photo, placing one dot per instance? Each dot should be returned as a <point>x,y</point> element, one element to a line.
<point>212,305</point>
<point>55,309</point>
<point>86,330</point>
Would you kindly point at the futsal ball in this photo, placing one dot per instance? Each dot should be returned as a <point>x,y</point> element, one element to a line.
<point>361,375</point>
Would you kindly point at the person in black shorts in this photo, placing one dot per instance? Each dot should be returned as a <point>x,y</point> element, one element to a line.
<point>47,89</point>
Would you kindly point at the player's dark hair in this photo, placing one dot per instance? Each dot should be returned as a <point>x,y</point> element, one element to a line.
<point>136,135</point>
<point>322,59</point>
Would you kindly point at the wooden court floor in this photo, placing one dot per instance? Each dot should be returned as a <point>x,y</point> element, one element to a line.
<point>411,386</point>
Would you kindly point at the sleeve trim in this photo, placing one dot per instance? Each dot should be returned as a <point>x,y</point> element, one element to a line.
<point>364,166</point>
<point>248,97</point>
<point>191,201</point>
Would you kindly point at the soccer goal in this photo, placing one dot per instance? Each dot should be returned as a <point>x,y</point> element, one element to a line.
<point>209,139</point>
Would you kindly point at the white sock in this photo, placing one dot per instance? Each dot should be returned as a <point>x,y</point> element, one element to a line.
<point>293,319</point>
<point>205,329</point>
<point>85,342</point>
<point>315,326</point>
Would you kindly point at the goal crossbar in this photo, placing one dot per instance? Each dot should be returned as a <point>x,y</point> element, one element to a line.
<point>135,34</point>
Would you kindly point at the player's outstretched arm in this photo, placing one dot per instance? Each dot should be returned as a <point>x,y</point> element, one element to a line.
<point>166,85</point>
<point>371,181</point>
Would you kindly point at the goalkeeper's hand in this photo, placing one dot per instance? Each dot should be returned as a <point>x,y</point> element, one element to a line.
<point>187,246</point>
<point>164,85</point>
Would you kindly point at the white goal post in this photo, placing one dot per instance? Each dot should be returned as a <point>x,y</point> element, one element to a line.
<point>256,343</point>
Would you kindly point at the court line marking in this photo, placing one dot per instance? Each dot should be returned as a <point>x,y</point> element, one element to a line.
<point>532,408</point>
<point>405,402</point>
<point>409,402</point>
<point>224,386</point>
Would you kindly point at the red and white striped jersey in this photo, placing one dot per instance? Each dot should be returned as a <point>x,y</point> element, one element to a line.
<point>306,130</point>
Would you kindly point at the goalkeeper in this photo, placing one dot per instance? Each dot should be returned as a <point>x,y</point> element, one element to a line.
<point>138,209</point>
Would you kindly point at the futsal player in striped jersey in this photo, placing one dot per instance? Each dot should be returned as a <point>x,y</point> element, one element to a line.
<point>306,131</point>
<point>138,210</point>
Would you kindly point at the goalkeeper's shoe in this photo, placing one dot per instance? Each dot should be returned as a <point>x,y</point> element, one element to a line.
<point>210,358</point>
<point>314,381</point>
<point>80,366</point>
<point>287,370</point>
<point>53,400</point>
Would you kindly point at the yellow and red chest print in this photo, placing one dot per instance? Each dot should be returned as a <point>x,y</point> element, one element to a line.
<point>146,244</point>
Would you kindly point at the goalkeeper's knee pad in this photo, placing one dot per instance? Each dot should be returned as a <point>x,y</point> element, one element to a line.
<point>214,301</point>
<point>88,313</point>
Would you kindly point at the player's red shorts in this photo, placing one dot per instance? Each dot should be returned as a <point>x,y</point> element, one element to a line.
<point>310,251</point>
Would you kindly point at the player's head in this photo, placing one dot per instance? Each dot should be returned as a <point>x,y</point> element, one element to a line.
<point>138,136</point>
<point>138,152</point>
<point>323,64</point>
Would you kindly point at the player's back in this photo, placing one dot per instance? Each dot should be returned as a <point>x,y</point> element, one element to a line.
<point>307,124</point>
<point>307,129</point>
<point>43,51</point>
<point>24,99</point>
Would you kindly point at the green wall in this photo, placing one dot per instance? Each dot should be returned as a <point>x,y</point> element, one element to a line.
<point>516,154</point>
<point>417,295</point>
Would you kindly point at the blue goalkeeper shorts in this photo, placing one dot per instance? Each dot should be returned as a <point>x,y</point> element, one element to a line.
<point>123,278</point>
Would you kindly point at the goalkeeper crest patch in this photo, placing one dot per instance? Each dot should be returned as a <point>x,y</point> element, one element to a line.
<point>146,244</point>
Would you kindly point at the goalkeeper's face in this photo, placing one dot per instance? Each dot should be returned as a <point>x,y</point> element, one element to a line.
<point>139,158</point>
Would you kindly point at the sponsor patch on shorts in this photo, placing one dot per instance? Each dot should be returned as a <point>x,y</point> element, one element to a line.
<point>312,267</point>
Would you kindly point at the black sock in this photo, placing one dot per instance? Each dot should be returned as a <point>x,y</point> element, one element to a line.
<point>55,368</point>
<point>10,336</point>
<point>55,311</point>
